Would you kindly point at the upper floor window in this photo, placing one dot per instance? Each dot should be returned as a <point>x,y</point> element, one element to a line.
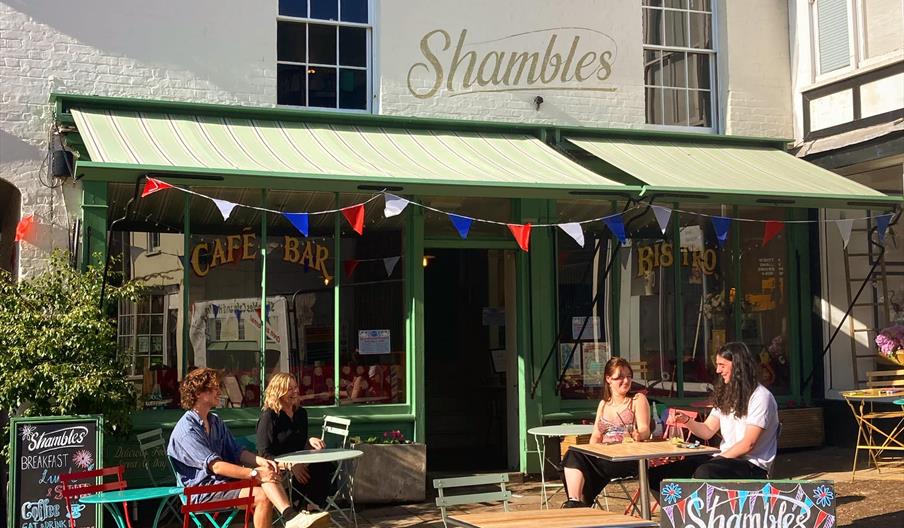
<point>323,53</point>
<point>679,62</point>
<point>853,33</point>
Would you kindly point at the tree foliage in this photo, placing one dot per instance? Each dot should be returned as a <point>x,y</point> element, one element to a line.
<point>58,350</point>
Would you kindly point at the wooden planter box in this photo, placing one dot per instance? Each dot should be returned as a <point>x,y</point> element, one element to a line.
<point>390,473</point>
<point>801,428</point>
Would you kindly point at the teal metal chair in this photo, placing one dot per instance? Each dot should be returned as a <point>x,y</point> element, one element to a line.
<point>153,450</point>
<point>444,501</point>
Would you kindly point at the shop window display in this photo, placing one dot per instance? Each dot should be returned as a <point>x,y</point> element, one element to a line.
<point>371,307</point>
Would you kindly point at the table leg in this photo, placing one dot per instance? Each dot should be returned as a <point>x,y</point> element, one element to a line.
<point>541,451</point>
<point>644,485</point>
<point>163,503</point>
<point>114,512</point>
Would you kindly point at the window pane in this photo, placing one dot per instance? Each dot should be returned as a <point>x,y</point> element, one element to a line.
<point>290,81</point>
<point>675,107</point>
<point>157,324</point>
<point>675,23</point>
<point>674,69</point>
<point>700,111</point>
<point>652,27</point>
<point>322,44</point>
<point>834,39</point>
<point>352,46</point>
<point>654,106</point>
<point>352,89</point>
<point>657,3</point>
<point>322,87</point>
<point>701,30</point>
<point>883,24</point>
<point>677,4</point>
<point>156,302</point>
<point>698,71</point>
<point>325,9</point>
<point>354,11</point>
<point>293,8</point>
<point>290,42</point>
<point>700,5</point>
<point>372,309</point>
<point>653,67</point>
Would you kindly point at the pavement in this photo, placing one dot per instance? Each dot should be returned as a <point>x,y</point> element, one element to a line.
<point>864,502</point>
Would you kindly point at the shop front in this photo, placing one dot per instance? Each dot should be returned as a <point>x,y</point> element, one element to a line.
<point>458,281</point>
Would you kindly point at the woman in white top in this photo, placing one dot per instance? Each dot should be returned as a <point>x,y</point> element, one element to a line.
<point>746,415</point>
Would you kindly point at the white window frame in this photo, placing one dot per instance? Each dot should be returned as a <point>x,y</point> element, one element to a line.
<point>369,96</point>
<point>856,45</point>
<point>153,246</point>
<point>133,335</point>
<point>714,85</point>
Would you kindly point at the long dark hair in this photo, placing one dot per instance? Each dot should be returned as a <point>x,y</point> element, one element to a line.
<point>732,397</point>
<point>613,367</point>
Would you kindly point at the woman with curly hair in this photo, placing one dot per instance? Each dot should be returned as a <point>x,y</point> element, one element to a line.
<point>283,428</point>
<point>746,415</point>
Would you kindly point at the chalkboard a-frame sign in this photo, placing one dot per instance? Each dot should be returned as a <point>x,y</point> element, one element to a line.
<point>41,449</point>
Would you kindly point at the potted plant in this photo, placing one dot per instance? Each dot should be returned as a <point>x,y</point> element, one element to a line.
<point>890,342</point>
<point>393,469</point>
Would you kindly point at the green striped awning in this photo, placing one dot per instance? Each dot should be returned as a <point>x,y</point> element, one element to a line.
<point>178,142</point>
<point>761,172</point>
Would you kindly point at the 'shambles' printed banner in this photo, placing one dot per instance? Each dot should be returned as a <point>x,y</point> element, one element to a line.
<point>760,503</point>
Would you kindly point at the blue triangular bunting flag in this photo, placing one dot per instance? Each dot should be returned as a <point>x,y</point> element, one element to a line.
<point>882,224</point>
<point>216,309</point>
<point>742,498</point>
<point>299,220</point>
<point>720,224</point>
<point>462,224</point>
<point>617,226</point>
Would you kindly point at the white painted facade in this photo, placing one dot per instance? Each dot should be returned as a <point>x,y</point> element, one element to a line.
<point>225,52</point>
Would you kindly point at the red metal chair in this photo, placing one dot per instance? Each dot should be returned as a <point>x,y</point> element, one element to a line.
<point>72,490</point>
<point>210,509</point>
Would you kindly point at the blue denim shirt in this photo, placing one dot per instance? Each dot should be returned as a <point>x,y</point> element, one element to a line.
<point>191,449</point>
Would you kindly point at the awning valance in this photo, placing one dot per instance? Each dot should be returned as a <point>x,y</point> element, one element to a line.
<point>186,143</point>
<point>757,173</point>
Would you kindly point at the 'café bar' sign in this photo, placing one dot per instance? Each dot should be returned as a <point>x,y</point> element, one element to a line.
<point>747,504</point>
<point>207,255</point>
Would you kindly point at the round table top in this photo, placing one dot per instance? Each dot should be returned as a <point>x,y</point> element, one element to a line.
<point>899,402</point>
<point>876,395</point>
<point>313,456</point>
<point>562,430</point>
<point>133,494</point>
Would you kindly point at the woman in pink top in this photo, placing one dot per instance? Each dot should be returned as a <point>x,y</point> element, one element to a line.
<point>619,415</point>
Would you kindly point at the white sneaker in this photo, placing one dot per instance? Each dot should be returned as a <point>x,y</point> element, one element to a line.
<point>306,519</point>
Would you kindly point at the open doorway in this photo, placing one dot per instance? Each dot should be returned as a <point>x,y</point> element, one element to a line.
<point>467,354</point>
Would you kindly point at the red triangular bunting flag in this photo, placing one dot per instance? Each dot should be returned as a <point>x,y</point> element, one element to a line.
<point>773,496</point>
<point>733,499</point>
<point>355,217</point>
<point>350,266</point>
<point>772,228</point>
<point>521,234</point>
<point>821,516</point>
<point>24,228</point>
<point>154,185</point>
<point>681,504</point>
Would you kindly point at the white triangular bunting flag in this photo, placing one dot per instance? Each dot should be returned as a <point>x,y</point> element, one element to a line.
<point>394,205</point>
<point>390,263</point>
<point>224,207</point>
<point>575,231</point>
<point>844,227</point>
<point>662,216</point>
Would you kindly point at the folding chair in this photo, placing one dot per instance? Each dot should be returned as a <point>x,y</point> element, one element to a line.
<point>72,490</point>
<point>152,444</point>
<point>672,428</point>
<point>210,509</point>
<point>443,501</point>
<point>335,435</point>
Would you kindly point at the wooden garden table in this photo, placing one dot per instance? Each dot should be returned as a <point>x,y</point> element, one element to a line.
<point>870,438</point>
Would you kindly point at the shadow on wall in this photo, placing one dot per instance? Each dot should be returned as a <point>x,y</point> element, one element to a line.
<point>136,30</point>
<point>10,200</point>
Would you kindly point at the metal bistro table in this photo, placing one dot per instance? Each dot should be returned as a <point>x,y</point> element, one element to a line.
<point>553,430</point>
<point>641,452</point>
<point>317,456</point>
<point>111,498</point>
<point>870,438</point>
<point>569,518</point>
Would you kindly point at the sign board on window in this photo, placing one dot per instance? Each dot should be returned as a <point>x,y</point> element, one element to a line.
<point>374,342</point>
<point>41,449</point>
<point>698,503</point>
<point>590,331</point>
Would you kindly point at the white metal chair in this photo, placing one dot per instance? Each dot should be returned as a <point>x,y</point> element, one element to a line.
<point>335,435</point>
<point>444,501</point>
<point>153,450</point>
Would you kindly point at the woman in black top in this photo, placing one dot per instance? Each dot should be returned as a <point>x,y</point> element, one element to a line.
<point>283,428</point>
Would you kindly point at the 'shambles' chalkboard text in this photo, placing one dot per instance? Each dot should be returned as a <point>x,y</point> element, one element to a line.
<point>42,449</point>
<point>726,504</point>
